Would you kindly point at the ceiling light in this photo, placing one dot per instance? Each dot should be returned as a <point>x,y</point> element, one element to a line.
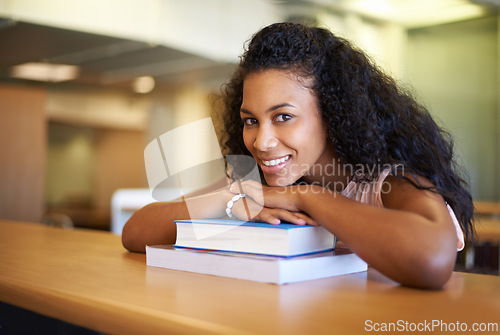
<point>45,72</point>
<point>143,84</point>
<point>416,13</point>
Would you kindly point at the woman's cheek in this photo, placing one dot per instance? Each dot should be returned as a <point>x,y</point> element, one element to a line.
<point>247,140</point>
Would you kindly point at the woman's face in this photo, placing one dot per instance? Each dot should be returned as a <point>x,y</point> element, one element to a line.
<point>283,128</point>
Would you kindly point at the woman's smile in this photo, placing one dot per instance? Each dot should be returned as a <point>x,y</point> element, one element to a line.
<point>273,166</point>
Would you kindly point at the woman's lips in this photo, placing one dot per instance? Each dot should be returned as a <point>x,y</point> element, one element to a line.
<point>274,165</point>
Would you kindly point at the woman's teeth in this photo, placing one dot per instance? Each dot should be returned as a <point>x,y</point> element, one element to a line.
<point>275,162</point>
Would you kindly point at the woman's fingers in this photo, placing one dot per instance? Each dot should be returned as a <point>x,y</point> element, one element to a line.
<point>287,216</point>
<point>267,217</point>
<point>275,216</point>
<point>248,209</point>
<point>307,219</point>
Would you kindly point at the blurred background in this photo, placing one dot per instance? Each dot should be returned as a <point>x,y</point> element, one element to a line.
<point>86,85</point>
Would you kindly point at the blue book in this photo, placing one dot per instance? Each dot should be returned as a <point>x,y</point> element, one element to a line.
<point>285,239</point>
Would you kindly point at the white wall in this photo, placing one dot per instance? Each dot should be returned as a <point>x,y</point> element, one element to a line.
<point>454,68</point>
<point>384,42</point>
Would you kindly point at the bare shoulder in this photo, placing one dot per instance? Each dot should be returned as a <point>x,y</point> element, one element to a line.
<point>403,194</point>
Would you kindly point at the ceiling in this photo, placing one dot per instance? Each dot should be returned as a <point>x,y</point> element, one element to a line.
<point>116,62</point>
<point>407,13</point>
<point>103,60</point>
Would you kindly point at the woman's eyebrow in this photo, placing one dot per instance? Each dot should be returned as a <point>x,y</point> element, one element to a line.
<point>286,104</point>
<point>272,109</point>
<point>244,111</point>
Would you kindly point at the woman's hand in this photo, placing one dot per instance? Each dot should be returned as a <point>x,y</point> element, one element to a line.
<point>284,197</point>
<point>268,204</point>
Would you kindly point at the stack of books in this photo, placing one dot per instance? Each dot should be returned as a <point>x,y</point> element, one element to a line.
<point>279,254</point>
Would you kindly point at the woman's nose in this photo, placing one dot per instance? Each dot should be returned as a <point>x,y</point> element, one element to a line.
<point>265,140</point>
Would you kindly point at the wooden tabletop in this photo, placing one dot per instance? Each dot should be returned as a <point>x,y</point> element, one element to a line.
<point>487,207</point>
<point>87,278</point>
<point>487,229</point>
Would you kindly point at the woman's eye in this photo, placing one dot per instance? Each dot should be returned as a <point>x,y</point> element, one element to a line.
<point>249,121</point>
<point>283,117</point>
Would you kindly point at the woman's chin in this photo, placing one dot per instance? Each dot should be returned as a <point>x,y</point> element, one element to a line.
<point>279,181</point>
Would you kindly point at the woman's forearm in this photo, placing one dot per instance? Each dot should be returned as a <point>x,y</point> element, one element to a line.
<point>154,223</point>
<point>403,245</point>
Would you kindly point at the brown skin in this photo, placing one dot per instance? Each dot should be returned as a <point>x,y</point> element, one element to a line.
<point>411,239</point>
<point>154,224</point>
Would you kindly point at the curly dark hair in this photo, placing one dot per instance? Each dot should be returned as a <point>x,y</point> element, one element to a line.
<point>371,120</point>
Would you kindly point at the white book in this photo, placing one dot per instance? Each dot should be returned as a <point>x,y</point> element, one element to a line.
<point>284,239</point>
<point>261,268</point>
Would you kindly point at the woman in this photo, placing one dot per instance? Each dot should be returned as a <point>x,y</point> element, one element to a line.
<point>339,145</point>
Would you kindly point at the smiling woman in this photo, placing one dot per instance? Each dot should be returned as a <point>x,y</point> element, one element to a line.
<point>339,145</point>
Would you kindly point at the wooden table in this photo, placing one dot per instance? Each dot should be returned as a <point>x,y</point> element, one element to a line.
<point>87,278</point>
<point>487,208</point>
<point>487,221</point>
<point>487,229</point>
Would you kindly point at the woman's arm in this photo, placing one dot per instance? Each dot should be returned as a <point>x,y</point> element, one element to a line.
<point>154,223</point>
<point>412,240</point>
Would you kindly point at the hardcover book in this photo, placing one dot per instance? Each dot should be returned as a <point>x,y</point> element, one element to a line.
<point>261,268</point>
<point>284,239</point>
